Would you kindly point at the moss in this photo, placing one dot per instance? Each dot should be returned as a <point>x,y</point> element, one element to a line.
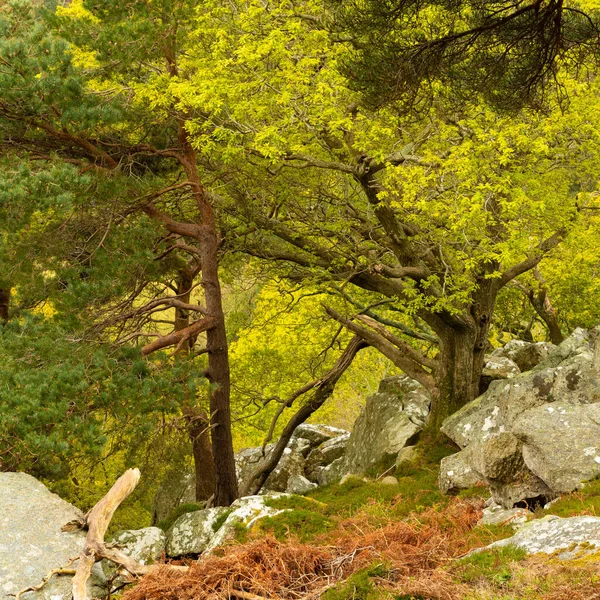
<point>182,509</point>
<point>220,520</point>
<point>491,565</point>
<point>360,586</point>
<point>296,502</point>
<point>299,523</point>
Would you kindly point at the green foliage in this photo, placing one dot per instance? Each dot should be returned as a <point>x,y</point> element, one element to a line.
<point>584,501</point>
<point>492,565</point>
<point>359,586</point>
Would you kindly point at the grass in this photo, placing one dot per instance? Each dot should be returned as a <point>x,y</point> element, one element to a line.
<point>360,586</point>
<point>491,565</point>
<point>585,501</point>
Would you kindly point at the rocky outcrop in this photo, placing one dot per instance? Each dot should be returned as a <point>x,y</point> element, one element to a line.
<point>570,538</point>
<point>32,543</point>
<point>178,487</point>
<point>535,435</point>
<point>311,449</point>
<point>390,420</point>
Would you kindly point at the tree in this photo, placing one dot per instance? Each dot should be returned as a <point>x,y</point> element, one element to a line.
<point>428,220</point>
<point>408,52</point>
<point>70,104</point>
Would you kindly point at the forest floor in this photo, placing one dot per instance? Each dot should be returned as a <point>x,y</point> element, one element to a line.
<point>365,540</point>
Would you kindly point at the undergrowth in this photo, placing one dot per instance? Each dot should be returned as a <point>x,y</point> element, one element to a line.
<point>364,540</point>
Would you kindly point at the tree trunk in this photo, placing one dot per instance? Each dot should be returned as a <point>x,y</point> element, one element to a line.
<point>4,305</point>
<point>198,430</point>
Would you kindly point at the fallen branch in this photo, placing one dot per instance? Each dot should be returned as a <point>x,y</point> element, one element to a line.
<point>60,571</point>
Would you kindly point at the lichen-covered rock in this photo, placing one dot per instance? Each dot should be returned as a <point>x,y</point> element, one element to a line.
<point>299,484</point>
<point>324,455</point>
<point>569,538</point>
<point>332,472</point>
<point>244,512</point>
<point>32,543</point>
<point>143,545</point>
<point>500,367</point>
<point>526,355</point>
<point>535,435</point>
<point>456,472</point>
<point>561,443</point>
<point>390,420</point>
<point>389,480</point>
<point>497,515</point>
<point>193,531</point>
<point>290,465</point>
<point>317,434</point>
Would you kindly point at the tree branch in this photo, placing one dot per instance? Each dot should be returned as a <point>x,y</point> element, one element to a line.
<point>176,338</point>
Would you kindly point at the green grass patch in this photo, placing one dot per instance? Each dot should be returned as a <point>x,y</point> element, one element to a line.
<point>299,523</point>
<point>359,586</point>
<point>182,509</point>
<point>296,502</point>
<point>491,565</point>
<point>585,501</point>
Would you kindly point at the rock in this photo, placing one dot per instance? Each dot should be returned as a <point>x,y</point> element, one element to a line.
<point>526,355</point>
<point>291,464</point>
<point>389,480</point>
<point>143,545</point>
<point>178,487</point>
<point>390,420</point>
<point>407,455</point>
<point>496,515</point>
<point>561,443</point>
<point>298,484</point>
<point>534,435</point>
<point>456,472</point>
<point>324,455</point>
<point>317,434</point>
<point>32,543</point>
<point>500,367</point>
<point>332,472</point>
<point>193,532</point>
<point>573,537</point>
<point>245,512</point>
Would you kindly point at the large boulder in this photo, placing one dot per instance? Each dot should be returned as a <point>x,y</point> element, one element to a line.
<point>534,435</point>
<point>316,435</point>
<point>573,537</point>
<point>32,543</point>
<point>390,420</point>
<point>192,532</point>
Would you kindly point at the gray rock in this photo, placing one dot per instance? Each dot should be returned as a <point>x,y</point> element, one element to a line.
<point>332,472</point>
<point>456,472</point>
<point>534,435</point>
<point>569,538</point>
<point>497,515</point>
<point>526,355</point>
<point>389,480</point>
<point>390,420</point>
<point>324,455</point>
<point>143,545</point>
<point>291,464</point>
<point>298,484</point>
<point>561,443</point>
<point>500,367</point>
<point>407,455</point>
<point>245,512</point>
<point>317,434</point>
<point>32,543</point>
<point>178,487</point>
<point>193,532</point>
